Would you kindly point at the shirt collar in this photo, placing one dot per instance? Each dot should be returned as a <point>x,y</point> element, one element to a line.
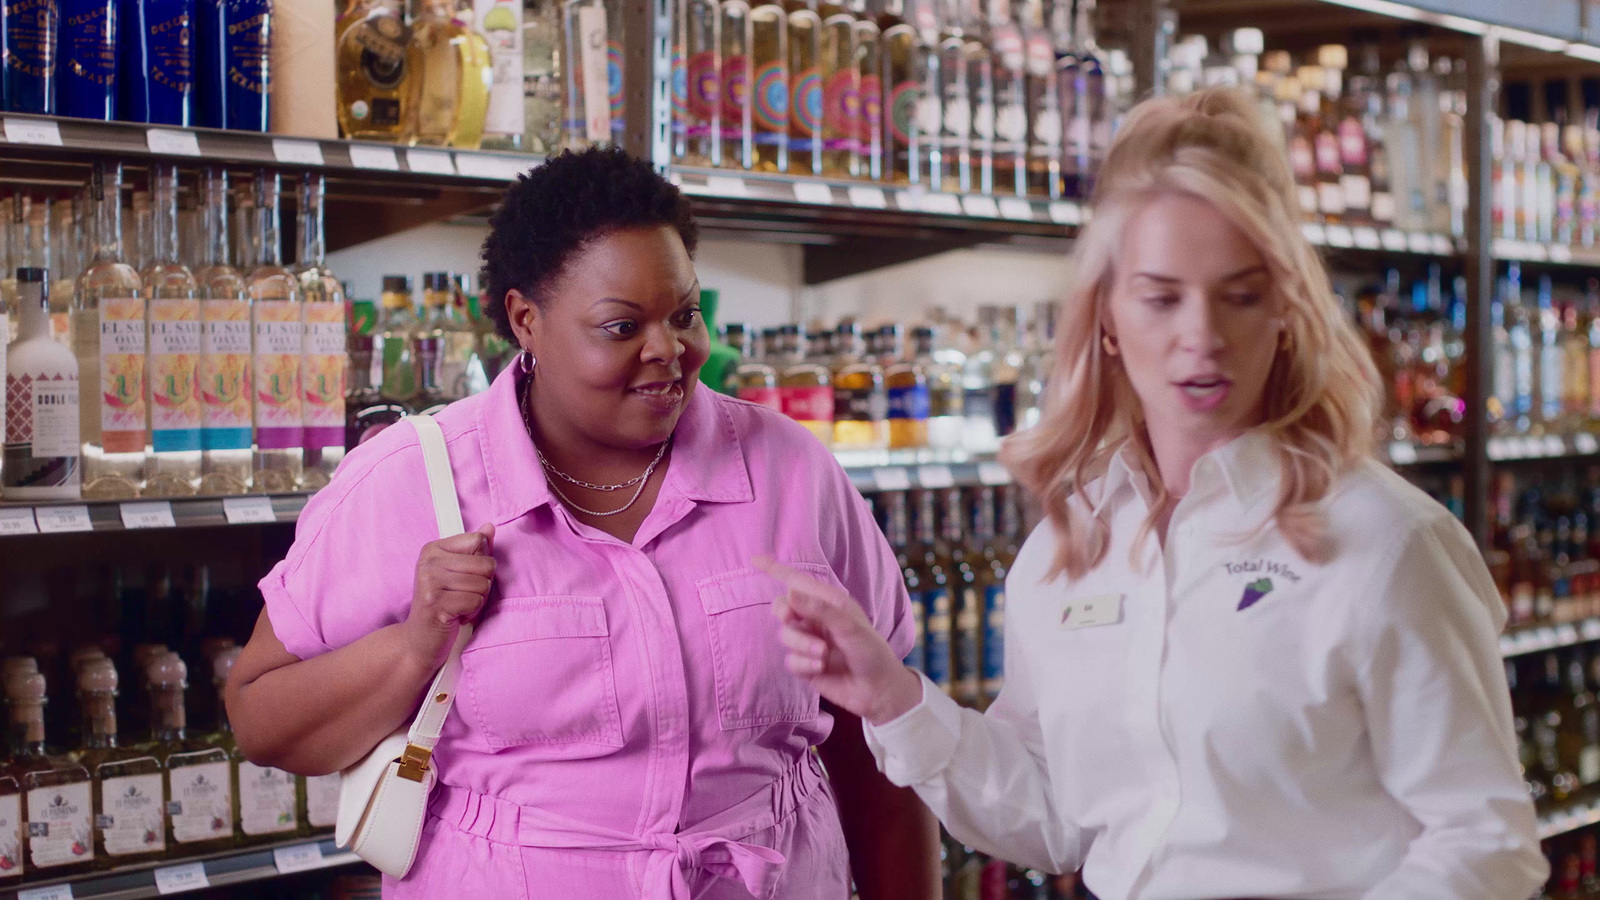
<point>708,463</point>
<point>1246,466</point>
<point>516,482</point>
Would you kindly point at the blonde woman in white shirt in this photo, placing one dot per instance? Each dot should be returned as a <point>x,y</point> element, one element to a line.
<point>1243,658</point>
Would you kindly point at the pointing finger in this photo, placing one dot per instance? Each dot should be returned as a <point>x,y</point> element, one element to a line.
<point>798,582</point>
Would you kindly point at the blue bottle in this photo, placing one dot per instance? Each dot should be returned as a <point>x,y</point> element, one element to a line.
<point>233,42</point>
<point>86,66</point>
<point>156,83</point>
<point>28,47</point>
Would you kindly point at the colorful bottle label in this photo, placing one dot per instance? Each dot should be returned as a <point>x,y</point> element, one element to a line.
<point>10,836</point>
<point>41,441</point>
<point>870,132</point>
<point>174,357</point>
<point>501,24</point>
<point>805,110</point>
<point>911,402</point>
<point>680,88</point>
<point>936,607</point>
<point>867,404</point>
<point>763,396</point>
<point>770,113</point>
<point>841,110</point>
<point>278,334</point>
<point>735,95</point>
<point>904,100</point>
<point>200,803</point>
<point>322,374</point>
<point>60,826</point>
<point>614,81</point>
<point>225,375</point>
<point>266,800</point>
<point>322,800</point>
<point>122,375</point>
<point>705,91</point>
<point>130,816</point>
<point>807,404</point>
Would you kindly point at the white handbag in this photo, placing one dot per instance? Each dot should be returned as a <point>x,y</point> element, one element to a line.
<point>383,799</point>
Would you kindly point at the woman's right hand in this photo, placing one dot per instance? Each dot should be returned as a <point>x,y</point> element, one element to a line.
<point>836,650</point>
<point>454,575</point>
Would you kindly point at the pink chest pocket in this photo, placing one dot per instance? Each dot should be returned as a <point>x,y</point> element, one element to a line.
<point>754,687</point>
<point>539,672</point>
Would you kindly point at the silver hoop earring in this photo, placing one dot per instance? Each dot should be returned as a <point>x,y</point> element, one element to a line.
<point>525,362</point>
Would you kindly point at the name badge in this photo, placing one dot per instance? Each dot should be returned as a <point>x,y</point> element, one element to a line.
<point>1089,612</point>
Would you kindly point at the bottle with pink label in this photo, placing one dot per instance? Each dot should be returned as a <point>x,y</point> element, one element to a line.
<point>279,331</point>
<point>225,338</point>
<point>173,465</point>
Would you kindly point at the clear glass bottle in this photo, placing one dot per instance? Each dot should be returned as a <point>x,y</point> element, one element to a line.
<point>1403,142</point>
<point>1082,86</point>
<point>1520,329</point>
<point>943,369</point>
<point>841,90</point>
<point>202,806</point>
<point>398,328</point>
<point>805,87</point>
<point>371,42</point>
<point>226,400</point>
<point>755,380</point>
<point>954,172</point>
<point>542,64</point>
<point>981,433</point>
<point>130,799</point>
<point>931,559</point>
<point>697,122</point>
<point>860,403</point>
<point>1010,100</point>
<point>585,72</point>
<point>461,371</point>
<point>323,360</point>
<point>1575,328</point>
<point>769,91</point>
<point>901,51</point>
<point>1551,381</point>
<point>870,133</point>
<point>1568,161</point>
<point>735,36</point>
<point>980,81</point>
<point>173,466</point>
<point>57,791</point>
<point>1043,104</point>
<point>805,386</point>
<point>907,384</point>
<point>109,339</point>
<point>453,75</point>
<point>500,24</point>
<point>279,330</point>
<point>42,449</point>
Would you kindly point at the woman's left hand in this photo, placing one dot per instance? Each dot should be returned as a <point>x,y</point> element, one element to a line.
<point>836,650</point>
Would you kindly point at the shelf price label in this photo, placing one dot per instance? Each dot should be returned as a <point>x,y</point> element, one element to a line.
<point>813,192</point>
<point>366,156</point>
<point>935,477</point>
<point>17,521</point>
<point>177,879</point>
<point>1402,453</point>
<point>29,131</point>
<point>1585,443</point>
<point>727,186</point>
<point>1560,253</point>
<point>60,519</point>
<point>1418,242</point>
<point>891,478</point>
<point>1340,236</point>
<point>941,204</point>
<point>1366,237</point>
<point>980,206</point>
<point>51,892</point>
<point>867,197</point>
<point>1065,212</point>
<point>431,162</point>
<point>171,142</point>
<point>298,153</point>
<point>1393,240</point>
<point>248,510</point>
<point>495,168</point>
<point>1314,233</point>
<point>299,858</point>
<point>1016,209</point>
<point>152,514</point>
<point>992,473</point>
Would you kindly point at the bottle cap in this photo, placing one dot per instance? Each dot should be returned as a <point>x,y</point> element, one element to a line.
<point>1333,56</point>
<point>222,663</point>
<point>211,646</point>
<point>97,676</point>
<point>82,655</point>
<point>1247,40</point>
<point>144,654</point>
<point>25,687</point>
<point>32,275</point>
<point>431,281</point>
<point>397,284</point>
<point>17,665</point>
<point>167,670</point>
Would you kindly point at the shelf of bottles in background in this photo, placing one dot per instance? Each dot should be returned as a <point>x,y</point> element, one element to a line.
<point>323,358</point>
<point>173,303</point>
<point>585,74</point>
<point>41,425</point>
<point>129,792</point>
<point>541,76</point>
<point>86,58</point>
<point>232,41</point>
<point>371,41</point>
<point>860,401</point>
<point>28,35</point>
<point>225,368</point>
<point>278,329</point>
<point>155,65</point>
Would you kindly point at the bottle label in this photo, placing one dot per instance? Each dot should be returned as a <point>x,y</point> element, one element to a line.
<point>868,404</point>
<point>501,24</point>
<point>735,95</point>
<point>994,635</point>
<point>266,800</point>
<point>904,99</point>
<point>705,89</point>
<point>762,396</point>
<point>841,110</point>
<point>10,836</point>
<point>979,403</point>
<point>171,59</point>
<point>936,609</point>
<point>1357,192</point>
<point>322,800</point>
<point>174,353</point>
<point>225,375</point>
<point>278,335</point>
<point>983,118</point>
<point>201,803</point>
<point>807,404</point>
<point>680,88</point>
<point>1041,55</point>
<point>596,112</point>
<point>31,36</point>
<point>1330,198</point>
<point>912,402</point>
<point>946,401</point>
<point>1326,148</point>
<point>1047,128</point>
<point>957,116</point>
<point>614,98</point>
<point>806,111</point>
<point>122,375</point>
<point>322,374</point>
<point>60,825</point>
<point>1589,765</point>
<point>770,114</point>
<point>383,41</point>
<point>249,42</point>
<point>871,120</point>
<point>130,819</point>
<point>41,445</point>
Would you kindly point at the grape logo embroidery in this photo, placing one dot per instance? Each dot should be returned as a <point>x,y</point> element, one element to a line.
<point>1253,592</point>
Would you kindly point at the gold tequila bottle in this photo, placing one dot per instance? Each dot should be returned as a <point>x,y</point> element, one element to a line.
<point>735,35</point>
<point>697,103</point>
<point>201,807</point>
<point>57,792</point>
<point>451,79</point>
<point>805,387</point>
<point>109,337</point>
<point>805,87</point>
<point>279,331</point>
<point>173,465</point>
<point>371,43</point>
<point>130,798</point>
<point>841,90</point>
<point>769,86</point>
<point>226,432</point>
<point>860,403</point>
<point>323,359</point>
<point>902,86</point>
<point>869,68</point>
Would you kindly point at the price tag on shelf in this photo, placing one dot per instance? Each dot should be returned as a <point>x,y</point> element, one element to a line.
<point>935,477</point>
<point>868,197</point>
<point>367,156</point>
<point>992,473</point>
<point>29,131</point>
<point>1538,252</point>
<point>1590,629</point>
<point>1566,635</point>
<point>1443,245</point>
<point>177,879</point>
<point>171,142</point>
<point>430,162</point>
<point>1553,446</point>
<point>1529,448</point>
<point>297,153</point>
<point>17,521</point>
<point>1560,253</point>
<point>1016,209</point>
<point>1393,240</point>
<point>1417,242</point>
<point>474,165</point>
<point>299,858</point>
<point>1402,453</point>
<point>248,510</point>
<point>1366,237</point>
<point>61,519</point>
<point>727,186</point>
<point>52,892</point>
<point>813,192</point>
<point>980,206</point>
<point>1065,212</point>
<point>1586,443</point>
<point>941,203</point>
<point>1340,236</point>
<point>1314,233</point>
<point>1496,449</point>
<point>891,478</point>
<point>151,514</point>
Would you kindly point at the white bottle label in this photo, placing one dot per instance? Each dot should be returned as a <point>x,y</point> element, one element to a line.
<point>266,800</point>
<point>43,414</point>
<point>201,802</point>
<point>501,24</point>
<point>130,814</point>
<point>10,836</point>
<point>59,829</point>
<point>593,45</point>
<point>322,800</point>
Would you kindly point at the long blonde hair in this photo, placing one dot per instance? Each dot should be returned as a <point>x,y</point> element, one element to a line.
<point>1323,390</point>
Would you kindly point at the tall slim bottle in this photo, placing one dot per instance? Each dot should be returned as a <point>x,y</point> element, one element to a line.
<point>586,74</point>
<point>173,468</point>
<point>86,83</point>
<point>28,40</point>
<point>279,332</point>
<point>615,64</point>
<point>12,830</point>
<point>233,77</point>
<point>870,129</point>
<point>946,392</point>
<point>769,92</point>
<point>841,90</point>
<point>980,81</point>
<point>500,23</point>
<point>697,124</point>
<point>130,798</point>
<point>41,441</point>
<point>201,805</point>
<point>323,359</point>
<point>155,61</point>
<point>542,63</point>
<point>1082,86</point>
<point>954,164</point>
<point>734,33</point>
<point>226,413</point>
<point>397,331</point>
<point>902,85</point>
<point>1010,100</point>
<point>109,339</point>
<point>451,78</point>
<point>805,87</point>
<point>57,792</point>
<point>1044,104</point>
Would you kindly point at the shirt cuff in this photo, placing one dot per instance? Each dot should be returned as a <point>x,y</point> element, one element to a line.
<point>918,745</point>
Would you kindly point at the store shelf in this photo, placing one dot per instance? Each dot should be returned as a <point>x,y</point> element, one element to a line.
<point>1387,240</point>
<point>1403,454</point>
<point>219,870</point>
<point>1556,824</point>
<point>1514,449</point>
<point>1554,254</point>
<point>903,470</point>
<point>1549,637</point>
<point>19,520</point>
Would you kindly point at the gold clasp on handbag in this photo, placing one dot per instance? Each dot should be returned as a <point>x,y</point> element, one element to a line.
<point>414,763</point>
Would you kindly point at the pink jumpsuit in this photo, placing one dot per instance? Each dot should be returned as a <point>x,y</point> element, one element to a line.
<point>625,725</point>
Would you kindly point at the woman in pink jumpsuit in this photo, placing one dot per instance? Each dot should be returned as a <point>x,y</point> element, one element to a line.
<point>625,725</point>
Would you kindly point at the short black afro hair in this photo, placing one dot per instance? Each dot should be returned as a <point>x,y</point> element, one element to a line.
<point>553,211</point>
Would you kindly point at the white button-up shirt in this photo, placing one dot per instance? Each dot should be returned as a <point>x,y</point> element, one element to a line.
<point>1219,718</point>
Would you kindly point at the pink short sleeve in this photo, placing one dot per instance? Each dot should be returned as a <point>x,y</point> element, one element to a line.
<point>864,562</point>
<point>354,558</point>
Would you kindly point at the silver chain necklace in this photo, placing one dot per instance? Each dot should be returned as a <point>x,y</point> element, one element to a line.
<point>642,480</point>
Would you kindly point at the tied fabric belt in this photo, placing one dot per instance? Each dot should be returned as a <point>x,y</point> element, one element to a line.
<point>715,846</point>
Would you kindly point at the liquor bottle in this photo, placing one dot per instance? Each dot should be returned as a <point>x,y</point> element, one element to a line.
<point>141,224</point>
<point>462,373</point>
<point>753,379</point>
<point>1502,173</point>
<point>1575,329</point>
<point>928,168</point>
<point>1581,712</point>
<point>500,23</point>
<point>992,571</point>
<point>278,328</point>
<point>870,131</point>
<point>1364,153</point>
<point>1589,189</point>
<point>201,805</point>
<point>840,75</point>
<point>323,357</point>
<point>615,25</point>
<point>108,338</point>
<point>129,793</point>
<point>41,442</point>
<point>1550,379</point>
<point>1526,139</point>
<point>1043,104</point>
<point>1544,186</point>
<point>1010,100</point>
<point>1402,142</point>
<point>1083,98</point>
<point>1452,144</point>
<point>805,87</point>
<point>450,80</point>
<point>1323,88</point>
<point>769,92</point>
<point>427,352</point>
<point>541,76</point>
<point>225,365</point>
<point>805,387</point>
<point>585,72</point>
<point>173,468</point>
<point>980,81</point>
<point>979,434</point>
<point>965,603</point>
<point>1012,398</point>
<point>860,404</point>
<point>954,164</point>
<point>697,115</point>
<point>901,50</point>
<point>1343,112</point>
<point>397,328</point>
<point>942,367</point>
<point>155,61</point>
<point>58,798</point>
<point>909,398</point>
<point>1568,162</point>
<point>1502,402</point>
<point>371,41</point>
<point>232,42</point>
<point>86,82</point>
<point>28,34</point>
<point>929,557</point>
<point>12,867</point>
<point>734,34</point>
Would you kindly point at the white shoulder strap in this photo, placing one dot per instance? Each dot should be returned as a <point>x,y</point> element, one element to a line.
<point>447,510</point>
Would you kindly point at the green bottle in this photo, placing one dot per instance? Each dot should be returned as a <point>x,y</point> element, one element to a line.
<point>720,366</point>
